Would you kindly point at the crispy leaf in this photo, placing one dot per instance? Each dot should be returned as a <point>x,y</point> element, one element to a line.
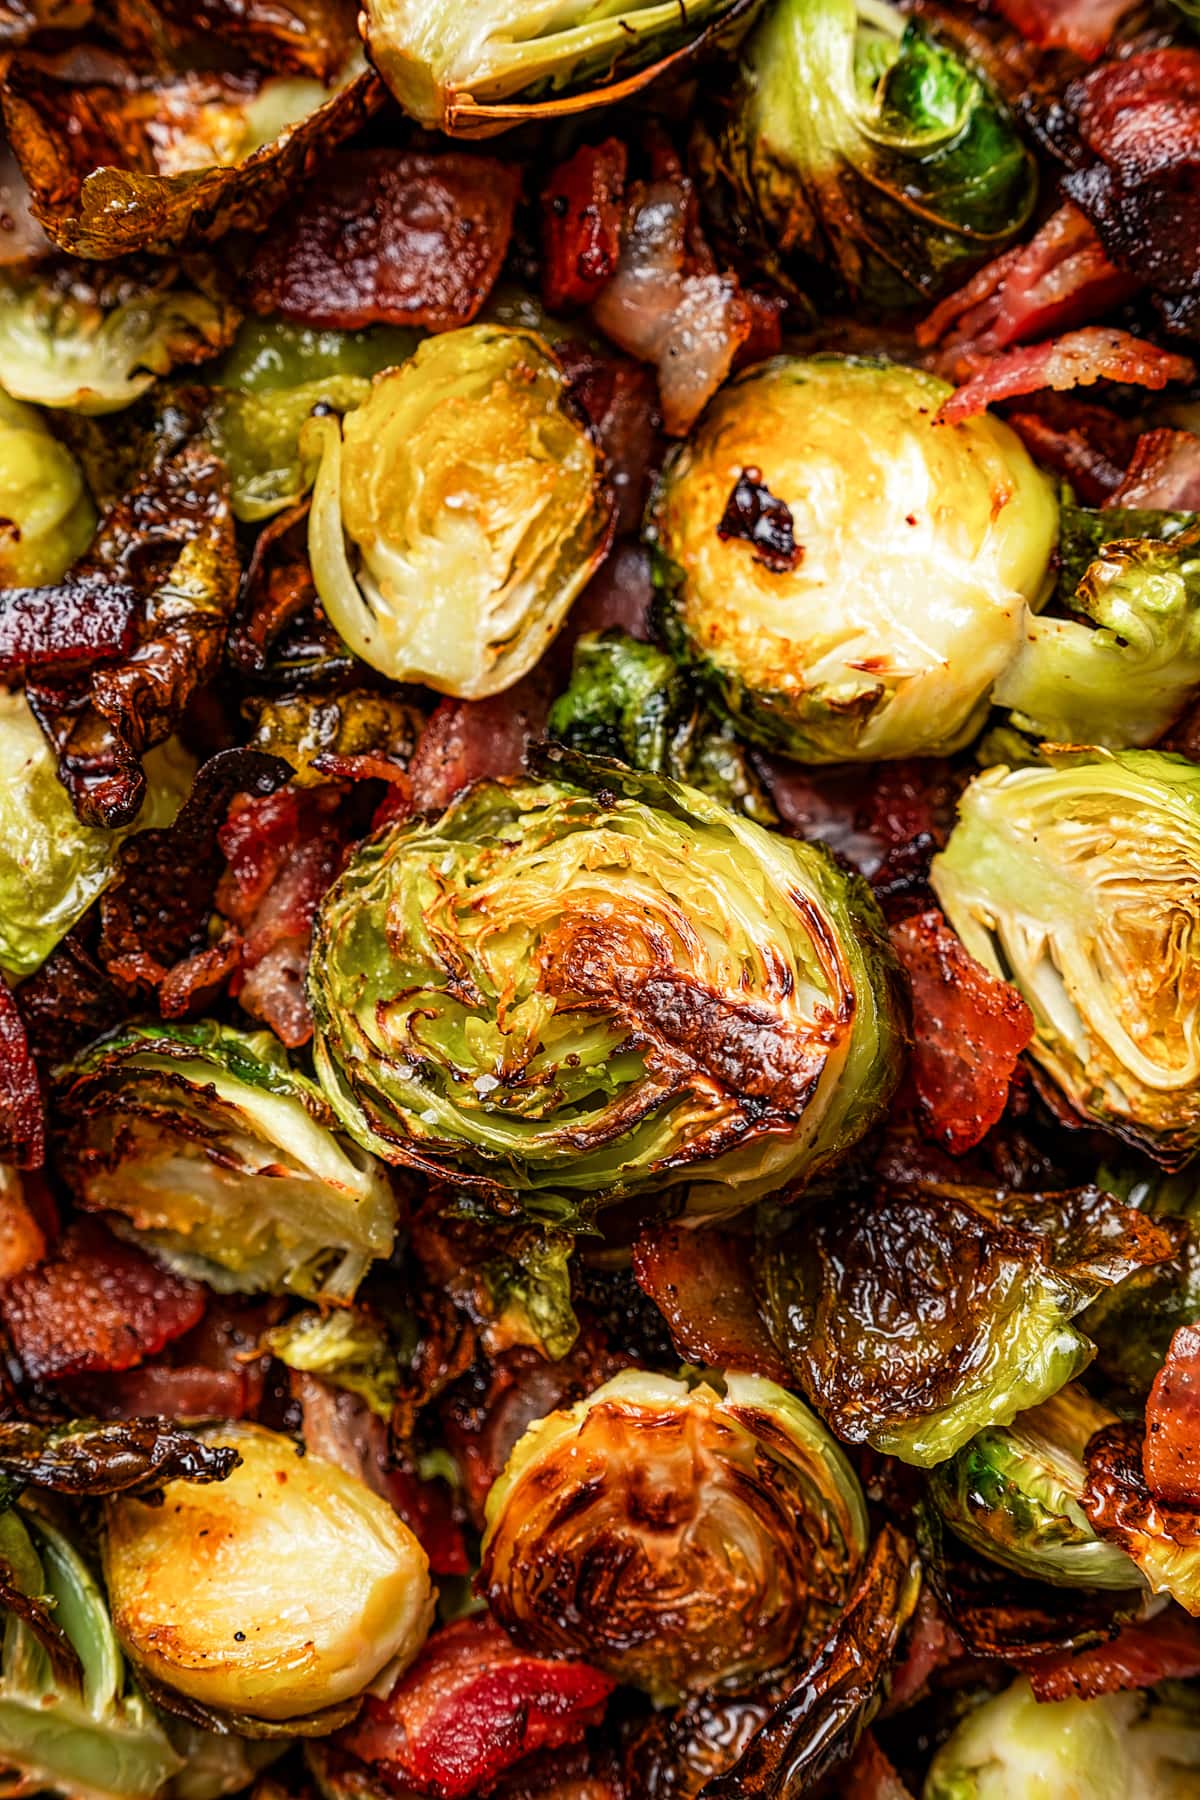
<point>134,1456</point>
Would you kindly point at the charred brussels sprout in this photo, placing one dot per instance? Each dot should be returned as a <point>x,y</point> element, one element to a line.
<point>51,866</point>
<point>474,71</point>
<point>305,1588</point>
<point>1015,1494</point>
<point>681,1538</point>
<point>47,512</point>
<point>857,141</point>
<point>71,1724</point>
<point>872,620</point>
<point>1014,1747</point>
<point>600,989</point>
<point>1078,882</point>
<point>457,512</point>
<point>223,1160</point>
<point>1122,678</point>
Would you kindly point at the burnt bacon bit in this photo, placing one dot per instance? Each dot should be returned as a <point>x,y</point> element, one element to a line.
<point>87,619</point>
<point>759,518</point>
<point>387,237</point>
<point>582,214</point>
<point>22,1120</point>
<point>96,1305</point>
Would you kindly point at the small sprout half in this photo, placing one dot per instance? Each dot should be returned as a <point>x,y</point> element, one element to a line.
<point>214,1153</point>
<point>1080,883</point>
<point>277,1594</point>
<point>457,512</point>
<point>46,514</point>
<point>915,550</point>
<point>680,1537</point>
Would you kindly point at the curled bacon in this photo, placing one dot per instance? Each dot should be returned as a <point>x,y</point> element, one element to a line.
<point>1171,1451</point>
<point>702,1283</point>
<point>386,237</point>
<point>1098,353</point>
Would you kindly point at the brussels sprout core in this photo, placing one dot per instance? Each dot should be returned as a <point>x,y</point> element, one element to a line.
<point>277,1594</point>
<point>917,548</point>
<point>1079,883</point>
<point>682,1539</point>
<point>599,992</point>
<point>457,512</point>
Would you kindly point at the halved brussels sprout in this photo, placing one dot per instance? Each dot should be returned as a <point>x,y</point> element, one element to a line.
<point>348,1349</point>
<point>601,984</point>
<point>859,140</point>
<point>91,350</point>
<point>1080,883</point>
<point>680,1537</point>
<point>876,623</point>
<point>280,1594</point>
<point>46,514</point>
<point>1133,1324</point>
<point>51,866</point>
<point>1013,1747</point>
<point>457,512</point>
<point>1015,1492</point>
<point>71,1723</point>
<point>1122,679</point>
<point>474,71</point>
<point>215,1154</point>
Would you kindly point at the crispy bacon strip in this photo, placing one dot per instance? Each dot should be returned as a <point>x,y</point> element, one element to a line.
<point>22,1123</point>
<point>97,1305</point>
<point>582,214</point>
<point>968,1032</point>
<point>88,619</point>
<point>385,237</point>
<point>1165,1648</point>
<point>1171,1451</point>
<point>472,1705</point>
<point>1098,353</point>
<point>1164,471</point>
<point>702,1283</point>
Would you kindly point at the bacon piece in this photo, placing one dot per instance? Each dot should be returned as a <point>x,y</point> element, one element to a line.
<point>702,1283</point>
<point>468,740</point>
<point>1165,1648</point>
<point>620,594</point>
<point>870,1775</point>
<point>1164,472</point>
<point>582,214</point>
<point>385,237</point>
<point>931,1644</point>
<point>22,1121</point>
<point>1084,26</point>
<point>471,1706</point>
<point>968,1031</point>
<point>620,399</point>
<point>169,1392</point>
<point>97,1305</point>
<point>1060,278</point>
<point>667,304</point>
<point>1085,442</point>
<point>1076,360</point>
<point>1171,1452</point>
<point>88,619</point>
<point>22,1240</point>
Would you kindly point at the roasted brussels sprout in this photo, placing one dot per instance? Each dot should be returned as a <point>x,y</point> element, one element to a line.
<point>479,71</point>
<point>96,349</point>
<point>1013,1747</point>
<point>1078,883</point>
<point>1122,679</point>
<point>873,618</point>
<point>1015,1492</point>
<point>859,141</point>
<point>1133,1324</point>
<point>51,866</point>
<point>681,1537</point>
<point>347,1348</point>
<point>457,512</point>
<point>306,1588</point>
<point>46,513</point>
<point>71,1723</point>
<point>214,1153</point>
<point>598,989</point>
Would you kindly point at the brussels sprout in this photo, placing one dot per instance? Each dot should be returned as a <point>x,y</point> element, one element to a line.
<point>599,992</point>
<point>857,140</point>
<point>1014,1493</point>
<point>1078,883</point>
<point>457,513</point>
<point>46,515</point>
<point>71,1723</point>
<point>529,1295</point>
<point>681,1538</point>
<point>1124,678</point>
<point>895,592</point>
<point>1132,1325</point>
<point>1013,1747</point>
<point>305,1588</point>
<point>348,1349</point>
<point>479,70</point>
<point>51,866</point>
<point>304,728</point>
<point>96,351</point>
<point>215,1154</point>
